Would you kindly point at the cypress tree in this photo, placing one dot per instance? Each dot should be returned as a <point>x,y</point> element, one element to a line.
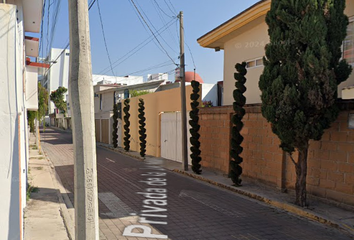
<point>115,126</point>
<point>142,124</point>
<point>126,124</point>
<point>237,139</point>
<point>194,123</point>
<point>301,74</point>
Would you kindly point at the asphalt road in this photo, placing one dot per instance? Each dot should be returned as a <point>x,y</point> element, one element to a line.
<point>194,210</point>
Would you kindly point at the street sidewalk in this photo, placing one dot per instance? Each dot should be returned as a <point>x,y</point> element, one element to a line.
<point>333,214</point>
<point>109,228</point>
<point>43,220</point>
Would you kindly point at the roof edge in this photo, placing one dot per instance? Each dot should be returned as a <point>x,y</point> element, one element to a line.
<point>232,24</point>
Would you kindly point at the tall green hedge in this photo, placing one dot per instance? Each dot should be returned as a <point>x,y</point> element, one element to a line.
<point>194,123</point>
<point>126,124</point>
<point>115,126</point>
<point>31,116</point>
<point>237,139</point>
<point>142,124</point>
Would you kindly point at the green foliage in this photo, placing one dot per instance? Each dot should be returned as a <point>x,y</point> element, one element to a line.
<point>194,123</point>
<point>42,108</point>
<point>43,97</point>
<point>207,103</point>
<point>236,137</point>
<point>126,124</point>
<point>31,116</point>
<point>31,189</point>
<point>142,124</point>
<point>115,126</point>
<point>57,97</point>
<point>135,93</point>
<point>300,78</point>
<point>299,81</point>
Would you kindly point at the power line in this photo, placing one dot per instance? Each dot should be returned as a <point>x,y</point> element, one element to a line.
<point>104,37</point>
<point>92,2</point>
<point>142,10</point>
<point>142,23</point>
<point>163,10</point>
<point>169,7</point>
<point>54,61</point>
<point>138,47</point>
<point>189,49</point>
<point>67,45</point>
<point>172,6</point>
<point>160,65</point>
<point>163,20</point>
<point>48,27</point>
<point>54,23</point>
<point>42,26</point>
<point>152,31</point>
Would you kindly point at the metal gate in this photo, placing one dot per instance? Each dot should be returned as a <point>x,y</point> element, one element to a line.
<point>171,136</point>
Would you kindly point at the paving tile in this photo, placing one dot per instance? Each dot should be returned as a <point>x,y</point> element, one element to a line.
<point>195,210</point>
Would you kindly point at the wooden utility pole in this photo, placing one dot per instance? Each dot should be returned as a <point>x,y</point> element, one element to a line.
<point>183,97</point>
<point>82,109</point>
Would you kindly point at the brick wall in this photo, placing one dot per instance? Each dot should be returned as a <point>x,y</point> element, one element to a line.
<point>262,156</point>
<point>215,137</point>
<point>330,162</point>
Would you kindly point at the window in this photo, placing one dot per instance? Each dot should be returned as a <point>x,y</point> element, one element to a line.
<point>126,93</point>
<point>348,44</point>
<point>254,63</point>
<point>100,101</point>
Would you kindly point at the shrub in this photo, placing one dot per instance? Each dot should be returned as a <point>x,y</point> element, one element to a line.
<point>194,123</point>
<point>126,125</point>
<point>142,131</point>
<point>237,139</point>
<point>115,126</point>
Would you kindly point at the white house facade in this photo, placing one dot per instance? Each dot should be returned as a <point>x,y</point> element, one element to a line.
<point>18,93</point>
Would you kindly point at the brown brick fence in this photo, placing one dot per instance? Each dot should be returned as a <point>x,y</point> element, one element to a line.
<point>330,163</point>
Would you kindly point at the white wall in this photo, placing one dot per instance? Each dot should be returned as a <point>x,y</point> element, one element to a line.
<point>58,75</point>
<point>32,88</point>
<point>129,80</point>
<point>157,76</point>
<point>210,93</point>
<point>22,110</point>
<point>9,136</point>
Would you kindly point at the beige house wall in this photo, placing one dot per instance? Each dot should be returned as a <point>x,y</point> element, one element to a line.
<point>103,118</point>
<point>107,102</point>
<point>248,44</point>
<point>155,103</point>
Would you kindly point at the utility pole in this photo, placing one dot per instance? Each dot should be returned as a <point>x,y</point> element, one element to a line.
<point>183,96</point>
<point>82,108</point>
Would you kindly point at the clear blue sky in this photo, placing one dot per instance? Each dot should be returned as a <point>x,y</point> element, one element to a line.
<point>124,32</point>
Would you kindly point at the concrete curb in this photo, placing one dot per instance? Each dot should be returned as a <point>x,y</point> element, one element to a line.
<point>122,151</point>
<point>280,205</point>
<point>68,222</point>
